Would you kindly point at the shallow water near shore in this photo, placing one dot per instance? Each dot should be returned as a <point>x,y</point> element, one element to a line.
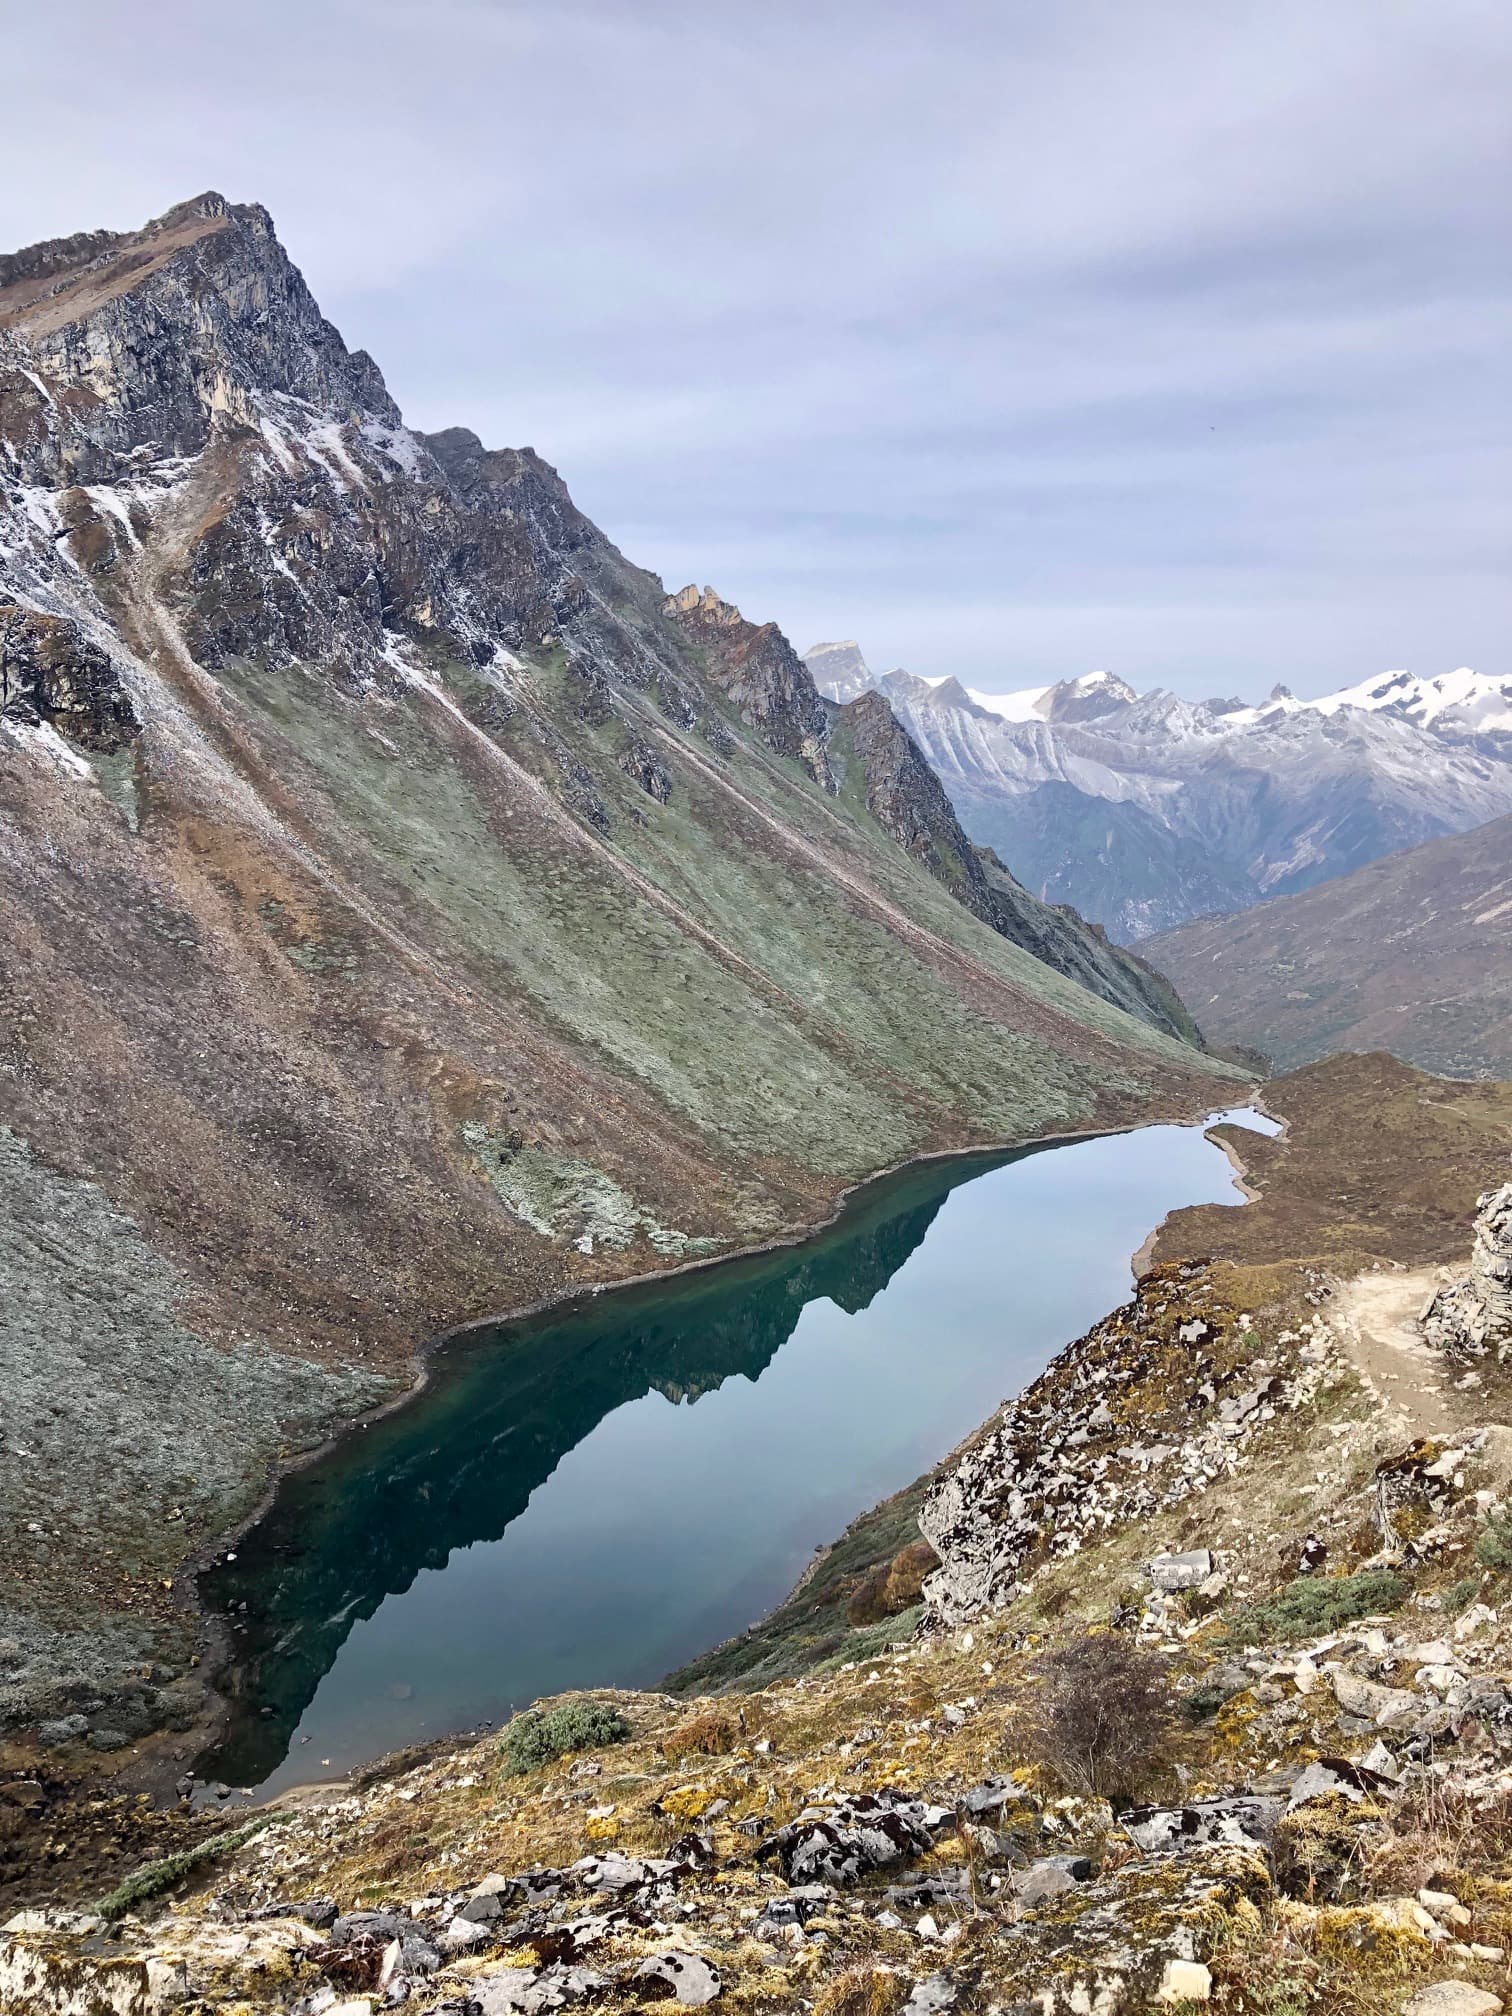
<point>593,1496</point>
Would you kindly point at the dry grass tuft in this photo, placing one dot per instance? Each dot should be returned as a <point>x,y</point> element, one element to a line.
<point>862,1991</point>
<point>714,1734</point>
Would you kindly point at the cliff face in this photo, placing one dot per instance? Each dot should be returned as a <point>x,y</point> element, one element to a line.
<point>407,917</point>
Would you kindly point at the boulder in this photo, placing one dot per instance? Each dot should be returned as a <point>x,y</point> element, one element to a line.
<point>1453,1998</point>
<point>1327,1775</point>
<point>1237,1819</point>
<point>1051,1877</point>
<point>1172,1573</point>
<point>686,1977</point>
<point>532,1991</point>
<point>840,1843</point>
<point>1370,1701</point>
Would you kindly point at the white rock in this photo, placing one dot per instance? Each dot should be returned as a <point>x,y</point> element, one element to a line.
<point>462,1933</point>
<point>1185,1981</point>
<point>1437,1901</point>
<point>1472,1620</point>
<point>1452,1998</point>
<point>1437,1652</point>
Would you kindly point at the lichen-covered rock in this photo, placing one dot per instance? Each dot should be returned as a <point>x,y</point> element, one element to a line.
<point>1105,1949</point>
<point>839,1843</point>
<point>1243,1820</point>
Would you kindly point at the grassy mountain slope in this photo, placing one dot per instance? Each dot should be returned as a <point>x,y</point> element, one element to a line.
<point>1412,954</point>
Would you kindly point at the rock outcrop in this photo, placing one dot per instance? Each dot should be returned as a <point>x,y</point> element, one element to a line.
<point>51,672</point>
<point>765,679</point>
<point>1472,1318</point>
<point>1147,1411</point>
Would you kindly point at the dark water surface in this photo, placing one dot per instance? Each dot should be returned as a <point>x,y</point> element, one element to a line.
<point>592,1497</point>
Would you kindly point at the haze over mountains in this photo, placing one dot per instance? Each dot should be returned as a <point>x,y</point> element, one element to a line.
<point>1144,811</point>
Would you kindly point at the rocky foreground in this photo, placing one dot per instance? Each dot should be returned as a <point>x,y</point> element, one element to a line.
<point>1209,1706</point>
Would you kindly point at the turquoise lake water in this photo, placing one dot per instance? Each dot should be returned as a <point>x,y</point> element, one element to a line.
<point>591,1497</point>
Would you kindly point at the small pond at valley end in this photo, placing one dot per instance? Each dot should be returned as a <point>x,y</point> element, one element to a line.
<point>594,1496</point>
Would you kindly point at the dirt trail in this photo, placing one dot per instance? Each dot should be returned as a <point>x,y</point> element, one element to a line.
<point>1376,1317</point>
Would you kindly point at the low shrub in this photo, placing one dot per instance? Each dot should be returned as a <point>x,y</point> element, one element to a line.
<point>536,1737</point>
<point>711,1735</point>
<point>1460,1595</point>
<point>855,1646</point>
<point>1100,1718</point>
<point>154,1878</point>
<point>1208,1696</point>
<point>862,1991</point>
<point>1316,1604</point>
<point>1493,1544</point>
<point>894,1586</point>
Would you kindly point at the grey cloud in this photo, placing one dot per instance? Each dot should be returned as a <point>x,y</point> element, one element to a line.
<point>1010,338</point>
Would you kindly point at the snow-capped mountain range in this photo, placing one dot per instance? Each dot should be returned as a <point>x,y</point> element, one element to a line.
<point>1146,810</point>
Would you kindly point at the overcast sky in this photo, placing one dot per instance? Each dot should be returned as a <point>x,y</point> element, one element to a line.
<point>1012,339</point>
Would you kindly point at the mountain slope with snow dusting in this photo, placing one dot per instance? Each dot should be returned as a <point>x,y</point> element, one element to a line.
<point>1146,810</point>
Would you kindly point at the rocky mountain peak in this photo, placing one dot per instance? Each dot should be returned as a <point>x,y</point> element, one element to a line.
<point>1087,697</point>
<point>839,669</point>
<point>116,343</point>
<point>705,606</point>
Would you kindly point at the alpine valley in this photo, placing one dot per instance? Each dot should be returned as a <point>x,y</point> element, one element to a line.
<point>422,928</point>
<point>1146,810</point>
<point>412,912</point>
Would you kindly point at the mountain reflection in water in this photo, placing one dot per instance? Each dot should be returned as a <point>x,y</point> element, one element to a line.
<point>536,1520</point>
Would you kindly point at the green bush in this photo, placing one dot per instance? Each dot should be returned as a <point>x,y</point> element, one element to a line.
<point>1460,1595</point>
<point>1315,1604</point>
<point>534,1738</point>
<point>1493,1544</point>
<point>153,1878</point>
